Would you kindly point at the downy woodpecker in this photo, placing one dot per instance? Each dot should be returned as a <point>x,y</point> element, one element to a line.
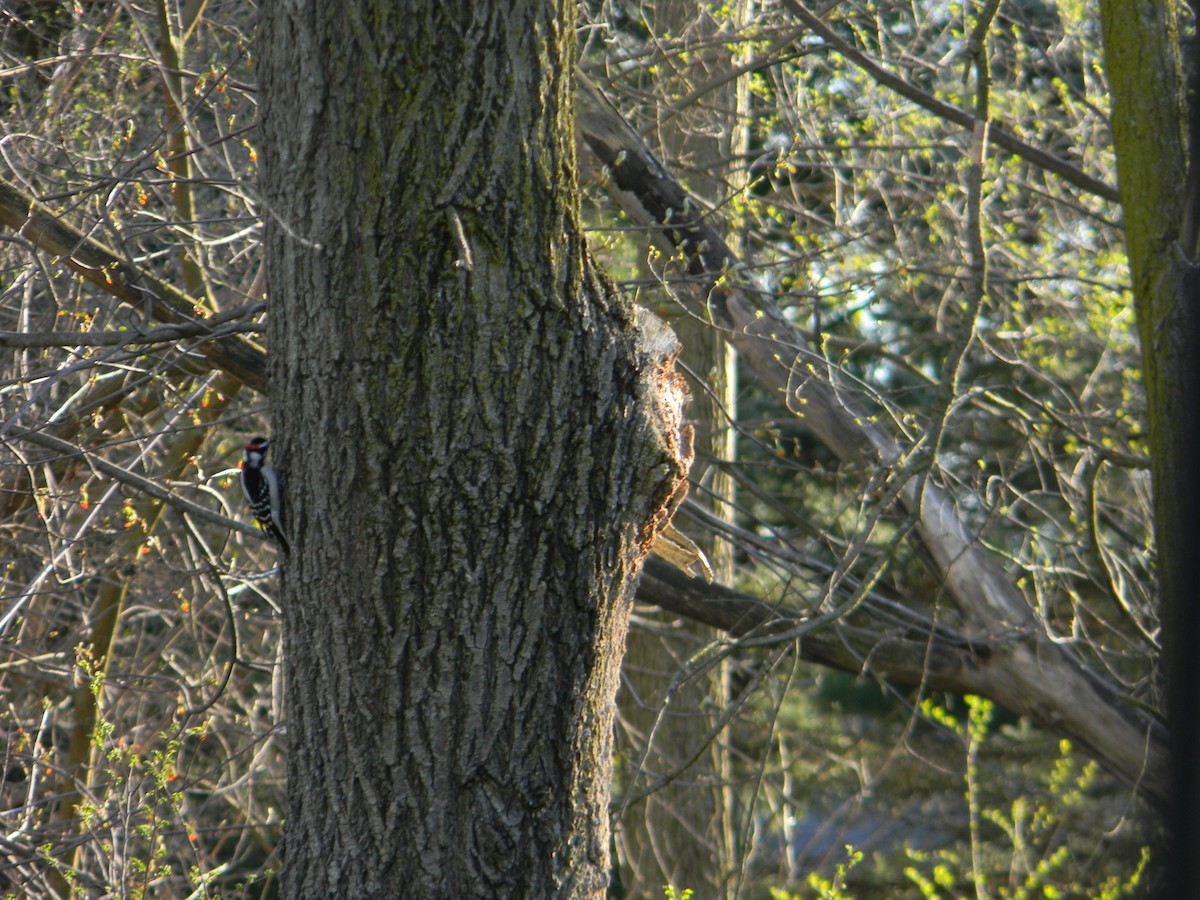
<point>264,490</point>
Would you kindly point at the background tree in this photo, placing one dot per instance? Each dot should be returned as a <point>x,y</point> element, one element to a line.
<point>1157,144</point>
<point>872,209</point>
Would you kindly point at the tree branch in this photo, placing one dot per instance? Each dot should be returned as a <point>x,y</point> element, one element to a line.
<point>997,134</point>
<point>143,484</point>
<point>907,656</point>
<point>215,327</point>
<point>101,266</point>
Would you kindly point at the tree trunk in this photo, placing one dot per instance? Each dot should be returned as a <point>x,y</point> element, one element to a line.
<point>1141,50</point>
<point>481,441</point>
<point>1151,134</point>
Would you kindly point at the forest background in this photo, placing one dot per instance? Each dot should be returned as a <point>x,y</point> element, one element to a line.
<point>889,236</point>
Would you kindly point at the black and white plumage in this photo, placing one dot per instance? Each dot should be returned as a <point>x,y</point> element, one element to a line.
<point>263,488</point>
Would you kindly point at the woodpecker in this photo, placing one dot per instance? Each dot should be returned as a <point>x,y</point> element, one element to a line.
<point>263,488</point>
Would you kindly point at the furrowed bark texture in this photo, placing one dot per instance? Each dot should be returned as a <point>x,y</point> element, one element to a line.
<point>480,440</point>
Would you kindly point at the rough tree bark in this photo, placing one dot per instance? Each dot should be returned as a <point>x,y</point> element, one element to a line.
<point>482,440</point>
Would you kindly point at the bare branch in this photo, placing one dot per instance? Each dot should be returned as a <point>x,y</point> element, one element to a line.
<point>997,134</point>
<point>140,482</point>
<point>101,266</point>
<point>906,656</point>
<point>214,327</point>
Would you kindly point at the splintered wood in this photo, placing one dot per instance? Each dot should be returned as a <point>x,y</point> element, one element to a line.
<point>670,394</point>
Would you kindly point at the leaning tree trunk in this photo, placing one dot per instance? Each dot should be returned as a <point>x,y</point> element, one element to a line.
<point>481,442</point>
